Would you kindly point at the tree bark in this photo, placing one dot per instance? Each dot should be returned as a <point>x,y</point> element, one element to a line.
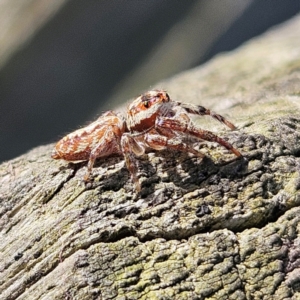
<point>217,228</point>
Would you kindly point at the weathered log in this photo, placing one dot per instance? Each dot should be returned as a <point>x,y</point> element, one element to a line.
<point>217,228</point>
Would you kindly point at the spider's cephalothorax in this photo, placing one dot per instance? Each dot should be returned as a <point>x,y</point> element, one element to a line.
<point>143,111</point>
<point>153,121</point>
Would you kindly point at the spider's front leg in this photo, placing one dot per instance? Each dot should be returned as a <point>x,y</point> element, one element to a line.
<point>190,129</point>
<point>201,110</point>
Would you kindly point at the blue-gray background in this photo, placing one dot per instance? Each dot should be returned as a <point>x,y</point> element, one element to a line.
<point>92,55</point>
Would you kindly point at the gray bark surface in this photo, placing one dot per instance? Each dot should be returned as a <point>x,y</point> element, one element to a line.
<point>217,228</point>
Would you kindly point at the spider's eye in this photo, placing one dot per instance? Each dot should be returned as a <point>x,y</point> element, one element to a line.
<point>146,104</point>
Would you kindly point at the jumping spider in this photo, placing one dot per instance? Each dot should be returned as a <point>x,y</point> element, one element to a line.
<point>153,121</point>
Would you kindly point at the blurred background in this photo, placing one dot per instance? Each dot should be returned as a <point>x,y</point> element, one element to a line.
<point>64,62</point>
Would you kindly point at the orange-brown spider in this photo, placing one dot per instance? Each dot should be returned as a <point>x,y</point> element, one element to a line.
<point>99,139</point>
<point>153,121</point>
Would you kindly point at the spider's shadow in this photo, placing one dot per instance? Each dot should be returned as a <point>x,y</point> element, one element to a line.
<point>188,172</point>
<point>101,175</point>
<point>183,170</point>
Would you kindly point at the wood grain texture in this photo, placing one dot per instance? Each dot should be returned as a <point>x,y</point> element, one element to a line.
<point>212,228</point>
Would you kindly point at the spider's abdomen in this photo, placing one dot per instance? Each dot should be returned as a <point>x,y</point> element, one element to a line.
<point>104,135</point>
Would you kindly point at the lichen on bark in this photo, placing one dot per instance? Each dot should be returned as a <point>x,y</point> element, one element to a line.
<point>217,228</point>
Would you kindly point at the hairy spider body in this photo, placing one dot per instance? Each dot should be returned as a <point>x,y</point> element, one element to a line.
<point>153,121</point>
<point>99,139</point>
